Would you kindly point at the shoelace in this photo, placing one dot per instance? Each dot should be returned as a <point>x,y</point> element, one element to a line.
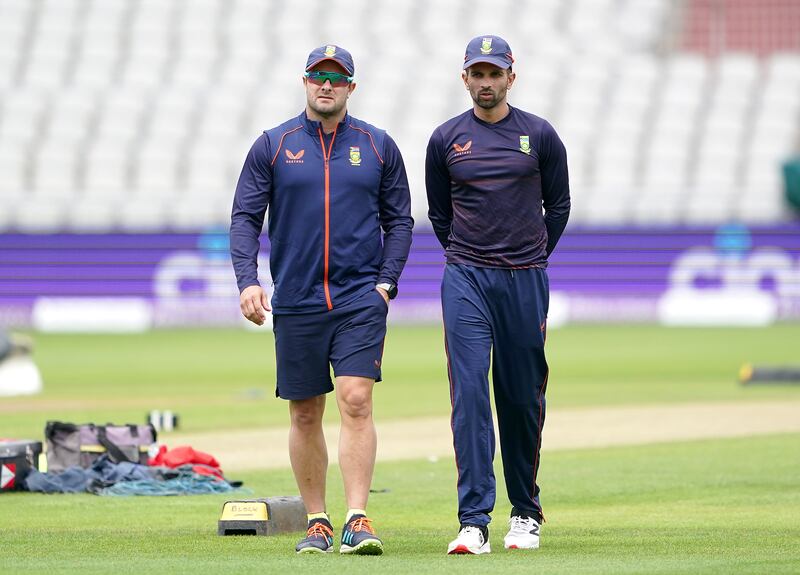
<point>520,525</point>
<point>319,529</point>
<point>362,524</point>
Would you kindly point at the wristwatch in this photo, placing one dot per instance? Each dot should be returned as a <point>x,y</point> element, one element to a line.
<point>390,289</point>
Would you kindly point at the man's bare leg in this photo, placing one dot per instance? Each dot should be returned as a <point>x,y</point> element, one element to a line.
<point>357,440</point>
<point>308,451</point>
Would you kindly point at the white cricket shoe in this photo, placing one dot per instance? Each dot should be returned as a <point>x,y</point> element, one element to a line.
<point>469,542</point>
<point>523,533</point>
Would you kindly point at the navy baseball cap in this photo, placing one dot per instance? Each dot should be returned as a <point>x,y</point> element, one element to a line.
<point>334,54</point>
<point>491,49</point>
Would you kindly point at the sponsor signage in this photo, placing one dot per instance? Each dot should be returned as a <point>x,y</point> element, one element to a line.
<point>614,274</point>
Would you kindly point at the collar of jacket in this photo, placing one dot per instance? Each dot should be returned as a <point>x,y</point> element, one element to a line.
<point>313,127</point>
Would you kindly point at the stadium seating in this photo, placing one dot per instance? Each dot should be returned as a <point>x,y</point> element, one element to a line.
<point>136,115</point>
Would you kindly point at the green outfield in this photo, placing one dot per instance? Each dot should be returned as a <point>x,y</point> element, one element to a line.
<point>224,379</point>
<point>710,506</point>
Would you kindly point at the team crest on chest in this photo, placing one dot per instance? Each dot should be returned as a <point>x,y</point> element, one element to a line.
<point>355,156</point>
<point>525,144</point>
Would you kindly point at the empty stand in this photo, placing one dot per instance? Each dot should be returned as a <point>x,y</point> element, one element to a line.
<point>137,114</point>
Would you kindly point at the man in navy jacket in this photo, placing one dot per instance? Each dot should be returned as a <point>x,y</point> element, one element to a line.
<point>340,231</point>
<point>498,197</point>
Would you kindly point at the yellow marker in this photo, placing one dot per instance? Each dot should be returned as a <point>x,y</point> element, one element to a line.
<point>244,511</point>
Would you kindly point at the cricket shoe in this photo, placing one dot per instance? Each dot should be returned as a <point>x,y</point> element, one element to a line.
<point>471,540</point>
<point>523,533</point>
<point>319,538</point>
<point>358,537</point>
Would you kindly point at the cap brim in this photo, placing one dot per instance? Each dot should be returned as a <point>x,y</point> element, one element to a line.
<point>493,60</point>
<point>334,60</point>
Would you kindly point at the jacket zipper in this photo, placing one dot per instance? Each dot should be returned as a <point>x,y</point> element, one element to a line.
<point>327,156</point>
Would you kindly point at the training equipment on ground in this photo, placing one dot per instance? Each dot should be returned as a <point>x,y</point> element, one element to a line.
<point>17,458</point>
<point>265,516</point>
<point>163,420</point>
<point>18,372</point>
<point>71,444</point>
<point>786,375</point>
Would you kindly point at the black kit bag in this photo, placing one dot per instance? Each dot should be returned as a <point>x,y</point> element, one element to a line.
<point>81,445</point>
<point>17,458</point>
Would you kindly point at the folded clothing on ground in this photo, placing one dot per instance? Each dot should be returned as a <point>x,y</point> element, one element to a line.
<point>105,477</point>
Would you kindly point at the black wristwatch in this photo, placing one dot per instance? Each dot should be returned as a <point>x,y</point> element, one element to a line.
<point>390,289</point>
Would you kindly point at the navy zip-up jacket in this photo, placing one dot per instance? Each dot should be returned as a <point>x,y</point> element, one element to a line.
<point>329,196</point>
<point>487,185</point>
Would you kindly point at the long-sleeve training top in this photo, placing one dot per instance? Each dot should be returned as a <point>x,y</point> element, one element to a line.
<point>487,185</point>
<point>329,196</point>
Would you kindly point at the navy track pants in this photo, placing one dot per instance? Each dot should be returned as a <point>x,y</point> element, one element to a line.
<point>497,315</point>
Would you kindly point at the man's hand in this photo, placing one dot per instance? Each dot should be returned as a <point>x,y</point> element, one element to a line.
<point>384,294</point>
<point>254,304</point>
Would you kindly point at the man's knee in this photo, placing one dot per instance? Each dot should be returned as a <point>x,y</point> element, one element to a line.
<point>355,400</point>
<point>307,413</point>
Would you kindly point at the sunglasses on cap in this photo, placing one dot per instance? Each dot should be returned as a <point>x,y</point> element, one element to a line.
<point>337,80</point>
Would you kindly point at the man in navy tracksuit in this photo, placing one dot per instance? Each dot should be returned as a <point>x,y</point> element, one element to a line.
<point>490,173</point>
<point>331,183</point>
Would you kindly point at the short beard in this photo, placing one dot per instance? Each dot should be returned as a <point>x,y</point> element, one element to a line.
<point>489,104</point>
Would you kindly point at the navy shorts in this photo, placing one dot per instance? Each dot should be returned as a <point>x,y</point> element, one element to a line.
<point>348,338</point>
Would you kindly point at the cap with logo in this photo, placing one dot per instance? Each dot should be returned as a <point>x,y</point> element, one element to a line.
<point>333,54</point>
<point>491,49</point>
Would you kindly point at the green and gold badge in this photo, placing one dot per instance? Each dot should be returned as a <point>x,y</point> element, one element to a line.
<point>355,155</point>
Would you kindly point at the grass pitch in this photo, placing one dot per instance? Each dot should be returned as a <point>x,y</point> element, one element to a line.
<point>700,507</point>
<point>694,507</point>
<point>217,379</point>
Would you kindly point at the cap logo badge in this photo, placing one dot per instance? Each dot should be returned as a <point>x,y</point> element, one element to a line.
<point>355,156</point>
<point>486,46</point>
<point>525,144</point>
<point>330,51</point>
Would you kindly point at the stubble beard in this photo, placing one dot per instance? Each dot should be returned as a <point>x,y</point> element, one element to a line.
<point>489,104</point>
<point>326,112</point>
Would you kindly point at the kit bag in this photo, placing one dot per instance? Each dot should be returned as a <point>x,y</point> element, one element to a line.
<point>17,458</point>
<point>69,444</point>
